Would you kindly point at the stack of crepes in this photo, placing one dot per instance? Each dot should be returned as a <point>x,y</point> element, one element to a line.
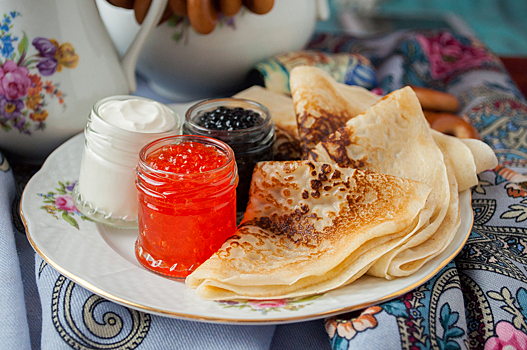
<point>376,193</point>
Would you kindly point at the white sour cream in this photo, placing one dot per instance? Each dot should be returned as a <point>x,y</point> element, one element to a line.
<point>117,130</point>
<point>138,115</point>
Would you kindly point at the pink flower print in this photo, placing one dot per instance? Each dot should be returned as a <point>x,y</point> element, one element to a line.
<point>447,54</point>
<point>65,203</point>
<point>267,304</point>
<point>508,338</point>
<point>14,81</point>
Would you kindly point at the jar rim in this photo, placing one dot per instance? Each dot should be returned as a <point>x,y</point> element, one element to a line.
<point>217,102</point>
<point>154,145</point>
<point>159,134</point>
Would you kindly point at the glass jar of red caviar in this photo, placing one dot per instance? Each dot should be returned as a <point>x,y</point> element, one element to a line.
<point>187,202</point>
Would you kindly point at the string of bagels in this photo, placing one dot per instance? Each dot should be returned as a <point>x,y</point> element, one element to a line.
<point>440,111</point>
<point>202,14</point>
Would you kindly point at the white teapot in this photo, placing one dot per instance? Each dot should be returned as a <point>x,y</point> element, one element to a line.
<point>56,61</point>
<point>182,65</point>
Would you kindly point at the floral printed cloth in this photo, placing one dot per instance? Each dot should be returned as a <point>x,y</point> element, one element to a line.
<point>347,68</point>
<point>478,301</point>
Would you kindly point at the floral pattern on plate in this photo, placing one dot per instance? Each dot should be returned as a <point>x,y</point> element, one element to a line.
<point>265,306</point>
<point>60,203</point>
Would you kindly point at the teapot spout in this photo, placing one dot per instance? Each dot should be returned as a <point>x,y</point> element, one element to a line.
<point>129,60</point>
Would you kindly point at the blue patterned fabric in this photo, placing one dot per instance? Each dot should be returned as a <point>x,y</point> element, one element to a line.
<point>345,68</point>
<point>478,301</point>
<point>73,317</point>
<point>14,332</point>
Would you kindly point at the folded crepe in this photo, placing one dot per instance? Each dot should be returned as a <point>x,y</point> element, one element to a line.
<point>310,227</point>
<point>407,258</point>
<point>447,163</point>
<point>322,104</point>
<point>484,156</point>
<point>302,235</point>
<point>355,98</point>
<point>461,158</point>
<point>287,143</point>
<point>393,137</point>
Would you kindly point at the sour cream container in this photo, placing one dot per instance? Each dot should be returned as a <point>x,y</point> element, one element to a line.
<point>118,127</point>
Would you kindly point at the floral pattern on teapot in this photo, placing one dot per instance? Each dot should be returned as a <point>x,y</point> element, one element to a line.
<point>23,94</point>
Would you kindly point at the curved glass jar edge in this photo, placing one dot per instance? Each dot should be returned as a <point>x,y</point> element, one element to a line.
<point>93,213</point>
<point>232,133</point>
<point>143,163</point>
<point>95,111</point>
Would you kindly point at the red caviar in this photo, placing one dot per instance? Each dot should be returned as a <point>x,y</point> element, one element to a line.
<point>186,158</point>
<point>187,203</point>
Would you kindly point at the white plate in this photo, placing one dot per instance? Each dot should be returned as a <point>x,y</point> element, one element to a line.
<point>102,260</point>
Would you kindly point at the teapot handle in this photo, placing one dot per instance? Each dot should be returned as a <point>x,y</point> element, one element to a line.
<point>129,61</point>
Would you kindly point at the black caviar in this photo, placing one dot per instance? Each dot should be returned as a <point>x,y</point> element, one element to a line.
<point>246,126</point>
<point>229,119</point>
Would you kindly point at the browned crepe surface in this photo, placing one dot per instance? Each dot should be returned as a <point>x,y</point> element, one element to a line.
<point>322,105</point>
<point>307,229</point>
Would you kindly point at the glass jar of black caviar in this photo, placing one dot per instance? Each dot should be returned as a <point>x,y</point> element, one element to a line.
<point>244,125</point>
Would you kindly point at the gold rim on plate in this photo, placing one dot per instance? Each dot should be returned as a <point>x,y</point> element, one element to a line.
<point>316,315</point>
